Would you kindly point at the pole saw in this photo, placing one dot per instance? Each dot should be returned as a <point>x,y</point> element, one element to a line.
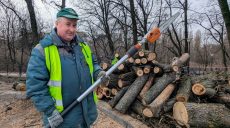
<point>150,37</point>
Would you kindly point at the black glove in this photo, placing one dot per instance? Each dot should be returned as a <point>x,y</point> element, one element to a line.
<point>55,119</point>
<point>104,79</point>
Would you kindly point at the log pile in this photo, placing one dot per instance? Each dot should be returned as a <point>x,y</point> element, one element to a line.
<point>152,90</point>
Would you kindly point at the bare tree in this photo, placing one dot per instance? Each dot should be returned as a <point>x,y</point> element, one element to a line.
<point>33,21</point>
<point>226,16</point>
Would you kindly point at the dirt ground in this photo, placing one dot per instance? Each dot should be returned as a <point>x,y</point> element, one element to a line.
<point>16,112</point>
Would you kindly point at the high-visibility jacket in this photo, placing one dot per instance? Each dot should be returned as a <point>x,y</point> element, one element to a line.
<point>115,60</point>
<point>53,64</point>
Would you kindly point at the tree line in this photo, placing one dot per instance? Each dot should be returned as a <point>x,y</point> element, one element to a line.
<point>113,26</point>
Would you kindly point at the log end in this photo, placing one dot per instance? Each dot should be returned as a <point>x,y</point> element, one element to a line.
<point>181,98</point>
<point>180,113</point>
<point>147,112</point>
<point>198,89</point>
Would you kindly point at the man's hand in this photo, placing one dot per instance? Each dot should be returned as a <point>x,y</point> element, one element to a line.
<point>105,79</point>
<point>55,119</point>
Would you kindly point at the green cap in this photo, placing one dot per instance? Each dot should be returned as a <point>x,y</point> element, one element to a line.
<point>68,13</point>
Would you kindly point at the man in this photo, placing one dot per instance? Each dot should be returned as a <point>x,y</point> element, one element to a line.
<point>60,69</point>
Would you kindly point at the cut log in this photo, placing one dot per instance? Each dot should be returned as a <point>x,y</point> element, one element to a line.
<point>224,98</point>
<point>169,105</point>
<point>138,71</point>
<point>131,94</point>
<point>137,107</point>
<point>158,87</point>
<point>144,60</point>
<point>151,56</point>
<point>117,97</point>
<point>128,76</point>
<point>141,53</point>
<point>180,113</point>
<point>205,88</point>
<point>122,83</point>
<point>165,67</point>
<point>99,91</point>
<point>113,80</point>
<point>19,86</point>
<point>158,70</point>
<point>147,85</point>
<point>153,109</point>
<point>114,91</point>
<point>208,115</point>
<point>106,92</point>
<point>178,62</point>
<point>147,69</point>
<point>137,61</point>
<point>131,60</point>
<point>184,91</point>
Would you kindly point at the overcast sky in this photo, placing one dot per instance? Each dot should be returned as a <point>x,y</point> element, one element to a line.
<point>48,14</point>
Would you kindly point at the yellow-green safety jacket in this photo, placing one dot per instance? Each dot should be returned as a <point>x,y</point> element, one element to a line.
<point>53,65</point>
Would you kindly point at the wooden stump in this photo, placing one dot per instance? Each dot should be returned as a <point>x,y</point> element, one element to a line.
<point>131,94</point>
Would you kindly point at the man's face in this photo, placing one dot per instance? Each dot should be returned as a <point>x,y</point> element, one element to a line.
<point>66,28</point>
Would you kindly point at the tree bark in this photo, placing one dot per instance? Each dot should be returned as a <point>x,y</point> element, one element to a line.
<point>33,21</point>
<point>153,109</point>
<point>226,16</point>
<point>117,97</point>
<point>178,62</point>
<point>133,18</point>
<point>158,87</point>
<point>137,107</point>
<point>205,88</point>
<point>131,94</point>
<point>184,91</point>
<point>147,85</point>
<point>128,76</point>
<point>207,115</point>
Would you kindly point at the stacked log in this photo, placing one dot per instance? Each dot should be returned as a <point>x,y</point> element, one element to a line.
<point>153,90</point>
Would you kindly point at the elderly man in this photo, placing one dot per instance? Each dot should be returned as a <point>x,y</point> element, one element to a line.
<point>60,69</point>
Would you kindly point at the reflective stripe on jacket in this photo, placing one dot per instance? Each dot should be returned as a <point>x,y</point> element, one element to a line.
<point>53,65</point>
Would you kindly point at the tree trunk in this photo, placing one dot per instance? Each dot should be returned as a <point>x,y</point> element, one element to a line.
<point>153,109</point>
<point>134,24</point>
<point>158,87</point>
<point>33,21</point>
<point>206,115</point>
<point>131,94</point>
<point>226,16</point>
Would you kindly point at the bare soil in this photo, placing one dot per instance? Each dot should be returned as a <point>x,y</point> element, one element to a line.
<point>17,112</point>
